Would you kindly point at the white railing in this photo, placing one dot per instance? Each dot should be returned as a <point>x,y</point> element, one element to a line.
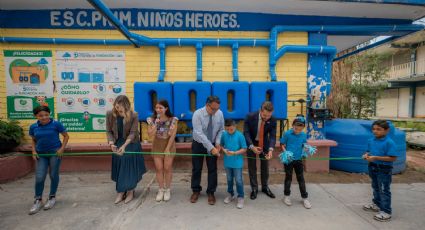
<point>409,69</point>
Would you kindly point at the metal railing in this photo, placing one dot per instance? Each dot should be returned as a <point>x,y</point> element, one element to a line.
<point>409,69</point>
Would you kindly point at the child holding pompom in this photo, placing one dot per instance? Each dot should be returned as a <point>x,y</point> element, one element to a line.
<point>293,143</point>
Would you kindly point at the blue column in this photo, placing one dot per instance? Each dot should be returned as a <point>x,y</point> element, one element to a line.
<point>318,88</point>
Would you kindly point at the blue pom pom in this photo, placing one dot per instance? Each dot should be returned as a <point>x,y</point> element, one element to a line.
<point>308,150</point>
<point>286,157</point>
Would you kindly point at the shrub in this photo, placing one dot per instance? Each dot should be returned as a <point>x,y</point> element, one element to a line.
<point>11,135</point>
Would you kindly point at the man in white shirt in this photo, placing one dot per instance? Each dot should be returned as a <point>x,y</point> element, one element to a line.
<point>208,125</point>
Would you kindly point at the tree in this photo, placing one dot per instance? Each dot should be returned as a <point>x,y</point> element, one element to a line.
<point>367,84</point>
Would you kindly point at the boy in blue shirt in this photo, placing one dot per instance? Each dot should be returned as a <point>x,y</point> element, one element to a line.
<point>45,140</point>
<point>234,145</point>
<point>294,140</point>
<point>381,153</point>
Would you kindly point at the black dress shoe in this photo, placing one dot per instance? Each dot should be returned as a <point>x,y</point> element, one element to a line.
<point>268,192</point>
<point>254,194</point>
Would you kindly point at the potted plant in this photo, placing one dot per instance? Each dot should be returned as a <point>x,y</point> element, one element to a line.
<point>12,166</point>
<point>11,135</point>
<point>181,129</point>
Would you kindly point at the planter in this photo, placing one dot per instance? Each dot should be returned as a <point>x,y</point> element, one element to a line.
<point>13,167</point>
<point>179,139</point>
<point>323,149</point>
<point>188,139</point>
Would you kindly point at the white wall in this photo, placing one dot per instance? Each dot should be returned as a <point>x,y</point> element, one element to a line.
<point>420,57</point>
<point>403,102</point>
<point>387,105</point>
<point>420,102</point>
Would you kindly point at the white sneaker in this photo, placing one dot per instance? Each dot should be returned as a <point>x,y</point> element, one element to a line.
<point>50,203</point>
<point>35,207</point>
<point>287,200</point>
<point>167,194</point>
<point>160,195</point>
<point>240,202</point>
<point>307,204</point>
<point>382,216</point>
<point>372,207</point>
<point>229,199</point>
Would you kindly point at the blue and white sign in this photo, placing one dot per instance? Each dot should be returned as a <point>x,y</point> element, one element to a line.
<point>151,19</point>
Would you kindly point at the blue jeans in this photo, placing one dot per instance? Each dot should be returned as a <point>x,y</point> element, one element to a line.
<point>43,164</point>
<point>235,174</point>
<point>381,176</point>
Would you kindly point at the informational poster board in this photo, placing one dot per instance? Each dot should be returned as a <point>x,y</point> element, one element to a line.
<point>29,82</point>
<point>88,83</point>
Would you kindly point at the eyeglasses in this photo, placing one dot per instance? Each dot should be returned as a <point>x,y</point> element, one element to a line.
<point>213,110</point>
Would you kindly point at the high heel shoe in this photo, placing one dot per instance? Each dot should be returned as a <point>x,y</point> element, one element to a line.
<point>130,196</point>
<point>120,197</point>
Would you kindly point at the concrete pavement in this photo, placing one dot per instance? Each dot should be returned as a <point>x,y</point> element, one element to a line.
<point>85,201</point>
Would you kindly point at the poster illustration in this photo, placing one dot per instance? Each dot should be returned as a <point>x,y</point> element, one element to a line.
<point>29,82</point>
<point>88,82</point>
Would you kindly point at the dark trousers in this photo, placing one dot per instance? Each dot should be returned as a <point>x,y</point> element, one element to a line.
<point>298,167</point>
<point>252,169</point>
<point>381,176</point>
<point>197,163</point>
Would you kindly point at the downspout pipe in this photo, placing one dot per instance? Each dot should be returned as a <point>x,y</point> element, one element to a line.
<point>353,30</point>
<point>212,42</point>
<point>312,49</point>
<point>162,70</point>
<point>154,42</point>
<point>303,49</point>
<point>199,61</point>
<point>107,13</point>
<point>65,41</point>
<point>235,52</point>
<point>366,48</point>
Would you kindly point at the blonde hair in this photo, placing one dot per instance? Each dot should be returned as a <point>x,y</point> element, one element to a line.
<point>123,101</point>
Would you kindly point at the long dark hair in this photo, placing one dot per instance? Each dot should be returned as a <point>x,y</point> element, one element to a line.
<point>164,103</point>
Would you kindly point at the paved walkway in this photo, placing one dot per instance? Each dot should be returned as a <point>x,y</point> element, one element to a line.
<point>85,201</point>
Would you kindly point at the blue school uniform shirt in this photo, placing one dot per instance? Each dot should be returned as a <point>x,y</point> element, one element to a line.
<point>47,136</point>
<point>233,142</point>
<point>294,142</point>
<point>382,147</point>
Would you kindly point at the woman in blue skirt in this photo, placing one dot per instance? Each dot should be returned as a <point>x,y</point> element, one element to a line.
<point>123,136</point>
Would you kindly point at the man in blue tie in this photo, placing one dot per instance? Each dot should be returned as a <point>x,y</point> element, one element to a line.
<point>208,125</point>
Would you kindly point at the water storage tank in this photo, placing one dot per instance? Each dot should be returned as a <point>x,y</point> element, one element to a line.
<point>352,136</point>
<point>276,92</point>
<point>145,95</point>
<point>234,98</point>
<point>188,97</point>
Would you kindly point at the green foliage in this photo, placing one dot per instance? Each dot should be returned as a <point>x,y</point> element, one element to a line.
<point>182,128</point>
<point>11,135</point>
<point>419,126</point>
<point>368,82</point>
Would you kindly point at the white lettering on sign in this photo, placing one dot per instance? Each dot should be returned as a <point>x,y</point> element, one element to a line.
<point>145,19</point>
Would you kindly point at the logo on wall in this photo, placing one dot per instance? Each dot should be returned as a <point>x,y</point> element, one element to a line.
<point>101,88</point>
<point>85,102</point>
<point>69,102</point>
<point>117,89</point>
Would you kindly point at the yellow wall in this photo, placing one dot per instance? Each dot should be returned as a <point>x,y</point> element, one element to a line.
<point>142,64</point>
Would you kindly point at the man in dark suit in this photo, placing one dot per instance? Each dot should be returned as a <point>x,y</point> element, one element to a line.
<point>260,135</point>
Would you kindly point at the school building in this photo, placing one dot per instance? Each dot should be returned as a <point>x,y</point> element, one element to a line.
<point>77,56</point>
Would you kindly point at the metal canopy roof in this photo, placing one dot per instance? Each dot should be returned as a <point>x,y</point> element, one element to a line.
<point>384,9</point>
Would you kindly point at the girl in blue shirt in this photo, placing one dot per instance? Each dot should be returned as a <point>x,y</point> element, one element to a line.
<point>45,140</point>
<point>294,140</point>
<point>381,153</point>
